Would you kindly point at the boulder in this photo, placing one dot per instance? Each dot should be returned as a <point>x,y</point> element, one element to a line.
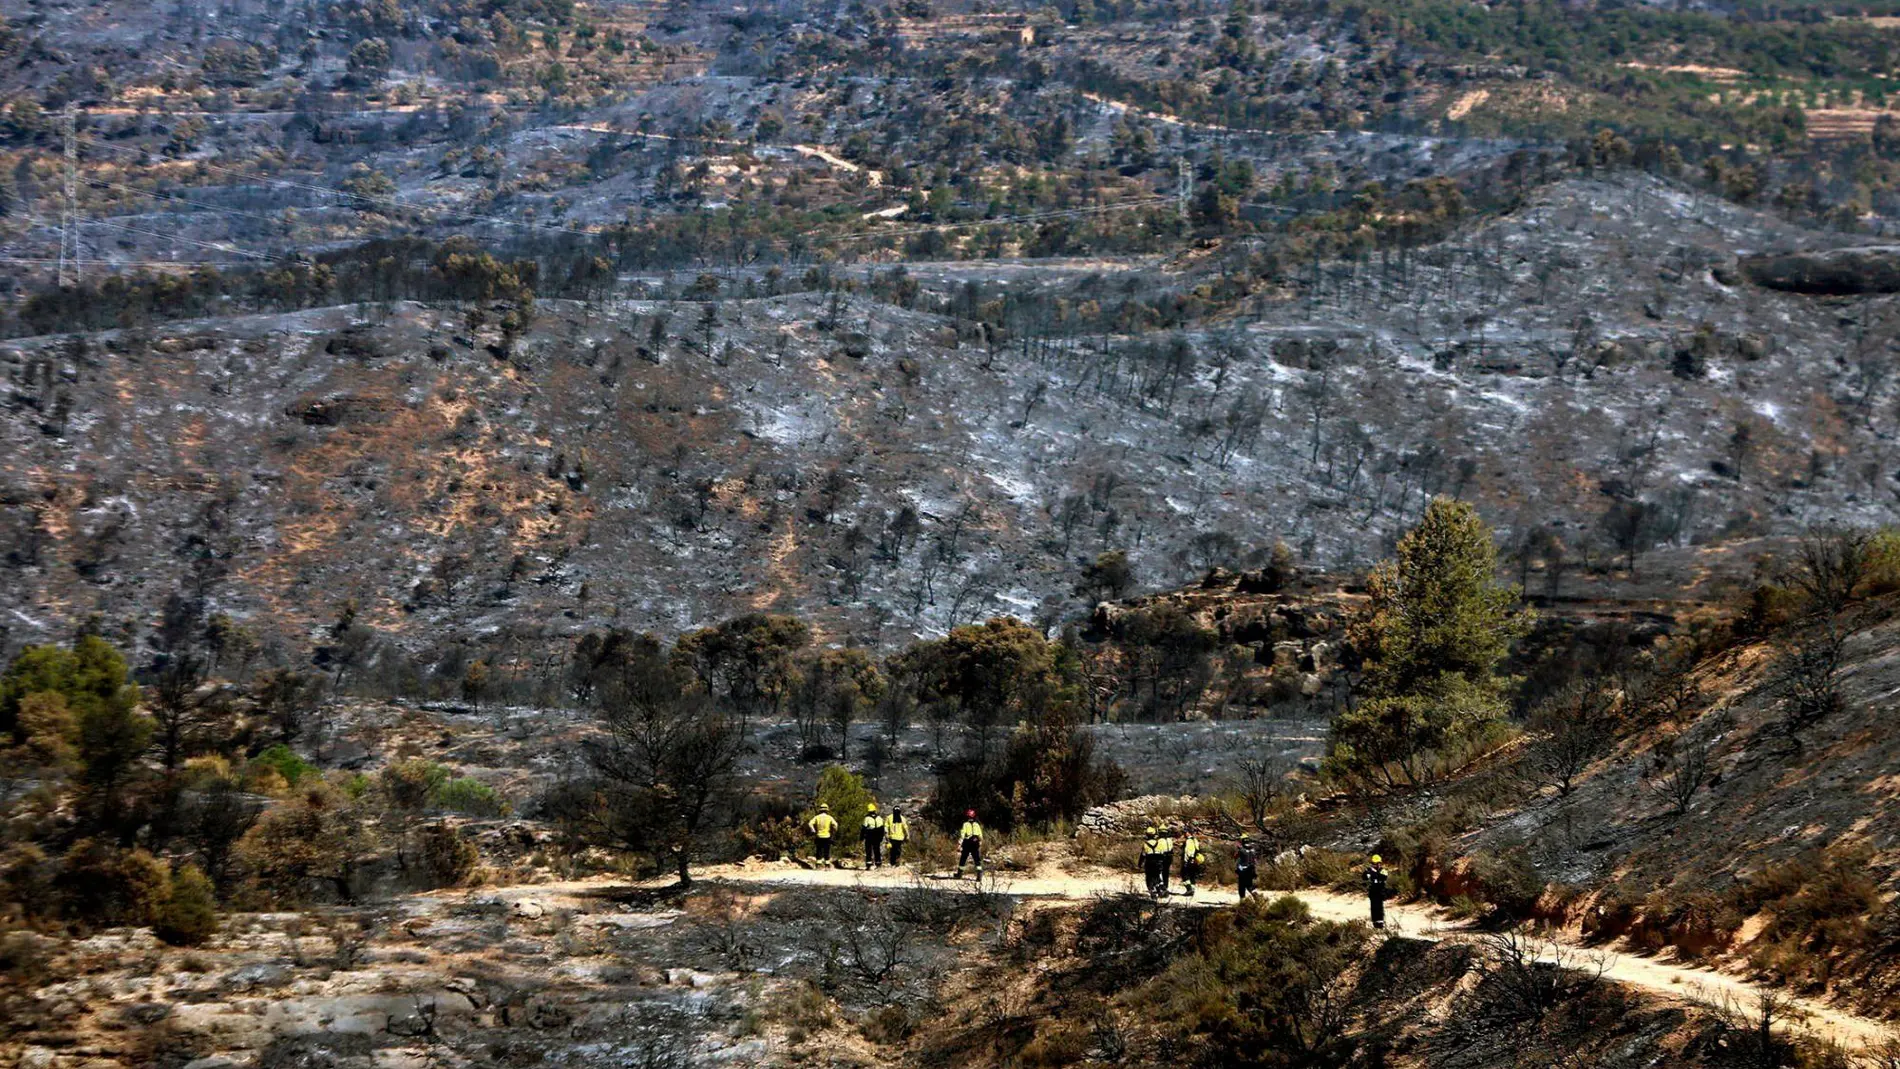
<point>263,974</point>
<point>1828,272</point>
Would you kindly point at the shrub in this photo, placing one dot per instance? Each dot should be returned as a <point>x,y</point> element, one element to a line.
<point>410,786</point>
<point>773,830</point>
<point>803,1008</point>
<point>284,761</point>
<point>447,855</point>
<point>1883,562</point>
<point>1819,913</point>
<point>24,957</point>
<point>26,882</point>
<point>1313,867</point>
<point>889,1025</point>
<point>101,884</point>
<point>1048,773</point>
<point>1507,882</point>
<point>190,915</point>
<point>205,770</point>
<point>844,791</point>
<point>314,840</point>
<point>472,797</point>
<point>1696,924</point>
<point>1268,987</point>
<point>1056,1043</point>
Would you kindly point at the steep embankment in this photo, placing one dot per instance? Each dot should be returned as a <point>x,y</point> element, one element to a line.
<point>1654,976</point>
<point>1736,829</point>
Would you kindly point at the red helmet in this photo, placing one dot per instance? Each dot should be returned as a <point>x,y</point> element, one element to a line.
<point>969,812</point>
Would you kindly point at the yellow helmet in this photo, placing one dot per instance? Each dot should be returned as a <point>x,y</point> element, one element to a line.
<point>824,807</point>
<point>1377,860</point>
<point>1151,829</point>
<point>870,807</point>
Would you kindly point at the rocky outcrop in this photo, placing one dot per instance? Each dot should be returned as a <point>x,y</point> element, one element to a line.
<point>1829,272</point>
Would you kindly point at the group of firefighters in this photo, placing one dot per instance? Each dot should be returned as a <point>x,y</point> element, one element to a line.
<point>877,830</point>
<point>1157,853</point>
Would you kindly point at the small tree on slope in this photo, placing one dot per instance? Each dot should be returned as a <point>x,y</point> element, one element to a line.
<point>1438,625</point>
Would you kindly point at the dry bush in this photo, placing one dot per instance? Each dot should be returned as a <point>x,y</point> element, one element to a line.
<point>1260,783</point>
<point>1833,565</point>
<point>1807,678</point>
<point>1310,867</point>
<point>1056,1043</point>
<point>1127,936</point>
<point>448,857</point>
<point>723,931</point>
<point>1524,978</point>
<point>869,945</point>
<point>803,1009</point>
<point>1697,924</point>
<point>888,1025</point>
<point>1683,774</point>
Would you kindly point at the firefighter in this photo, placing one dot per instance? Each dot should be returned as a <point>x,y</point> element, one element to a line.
<point>971,836</point>
<point>822,826</point>
<point>896,832</point>
<point>1375,890</point>
<point>1245,867</point>
<point>873,834</point>
<point>1164,860</point>
<point>1151,859</point>
<point>1191,861</point>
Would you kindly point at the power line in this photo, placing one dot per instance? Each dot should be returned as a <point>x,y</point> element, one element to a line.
<point>189,241</point>
<point>42,260</point>
<point>69,211</point>
<point>310,187</point>
<point>1001,220</point>
<point>186,200</point>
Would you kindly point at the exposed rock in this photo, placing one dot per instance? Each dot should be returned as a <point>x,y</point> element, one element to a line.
<point>1829,272</point>
<point>257,975</point>
<point>1129,815</point>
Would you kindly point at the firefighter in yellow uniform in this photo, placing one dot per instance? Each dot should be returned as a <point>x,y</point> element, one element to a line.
<point>823,826</point>
<point>1151,859</point>
<point>1192,861</point>
<point>897,833</point>
<point>971,836</point>
<point>873,836</point>
<point>1164,860</point>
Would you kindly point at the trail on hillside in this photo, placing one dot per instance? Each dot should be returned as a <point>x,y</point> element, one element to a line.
<point>1671,979</point>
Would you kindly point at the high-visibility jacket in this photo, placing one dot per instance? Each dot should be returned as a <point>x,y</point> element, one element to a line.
<point>1164,844</point>
<point>897,830</point>
<point>873,823</point>
<point>1190,848</point>
<point>970,830</point>
<point>1150,846</point>
<point>823,825</point>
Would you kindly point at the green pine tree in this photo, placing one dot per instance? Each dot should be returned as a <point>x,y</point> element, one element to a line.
<point>1438,626</point>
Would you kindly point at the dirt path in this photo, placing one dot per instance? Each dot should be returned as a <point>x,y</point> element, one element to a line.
<point>1666,978</point>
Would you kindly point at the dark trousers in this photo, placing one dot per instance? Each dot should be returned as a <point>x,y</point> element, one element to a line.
<point>972,851</point>
<point>1164,863</point>
<point>1190,873</point>
<point>897,851</point>
<point>822,849</point>
<point>1378,909</point>
<point>1151,868</point>
<point>1244,877</point>
<point>873,848</point>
